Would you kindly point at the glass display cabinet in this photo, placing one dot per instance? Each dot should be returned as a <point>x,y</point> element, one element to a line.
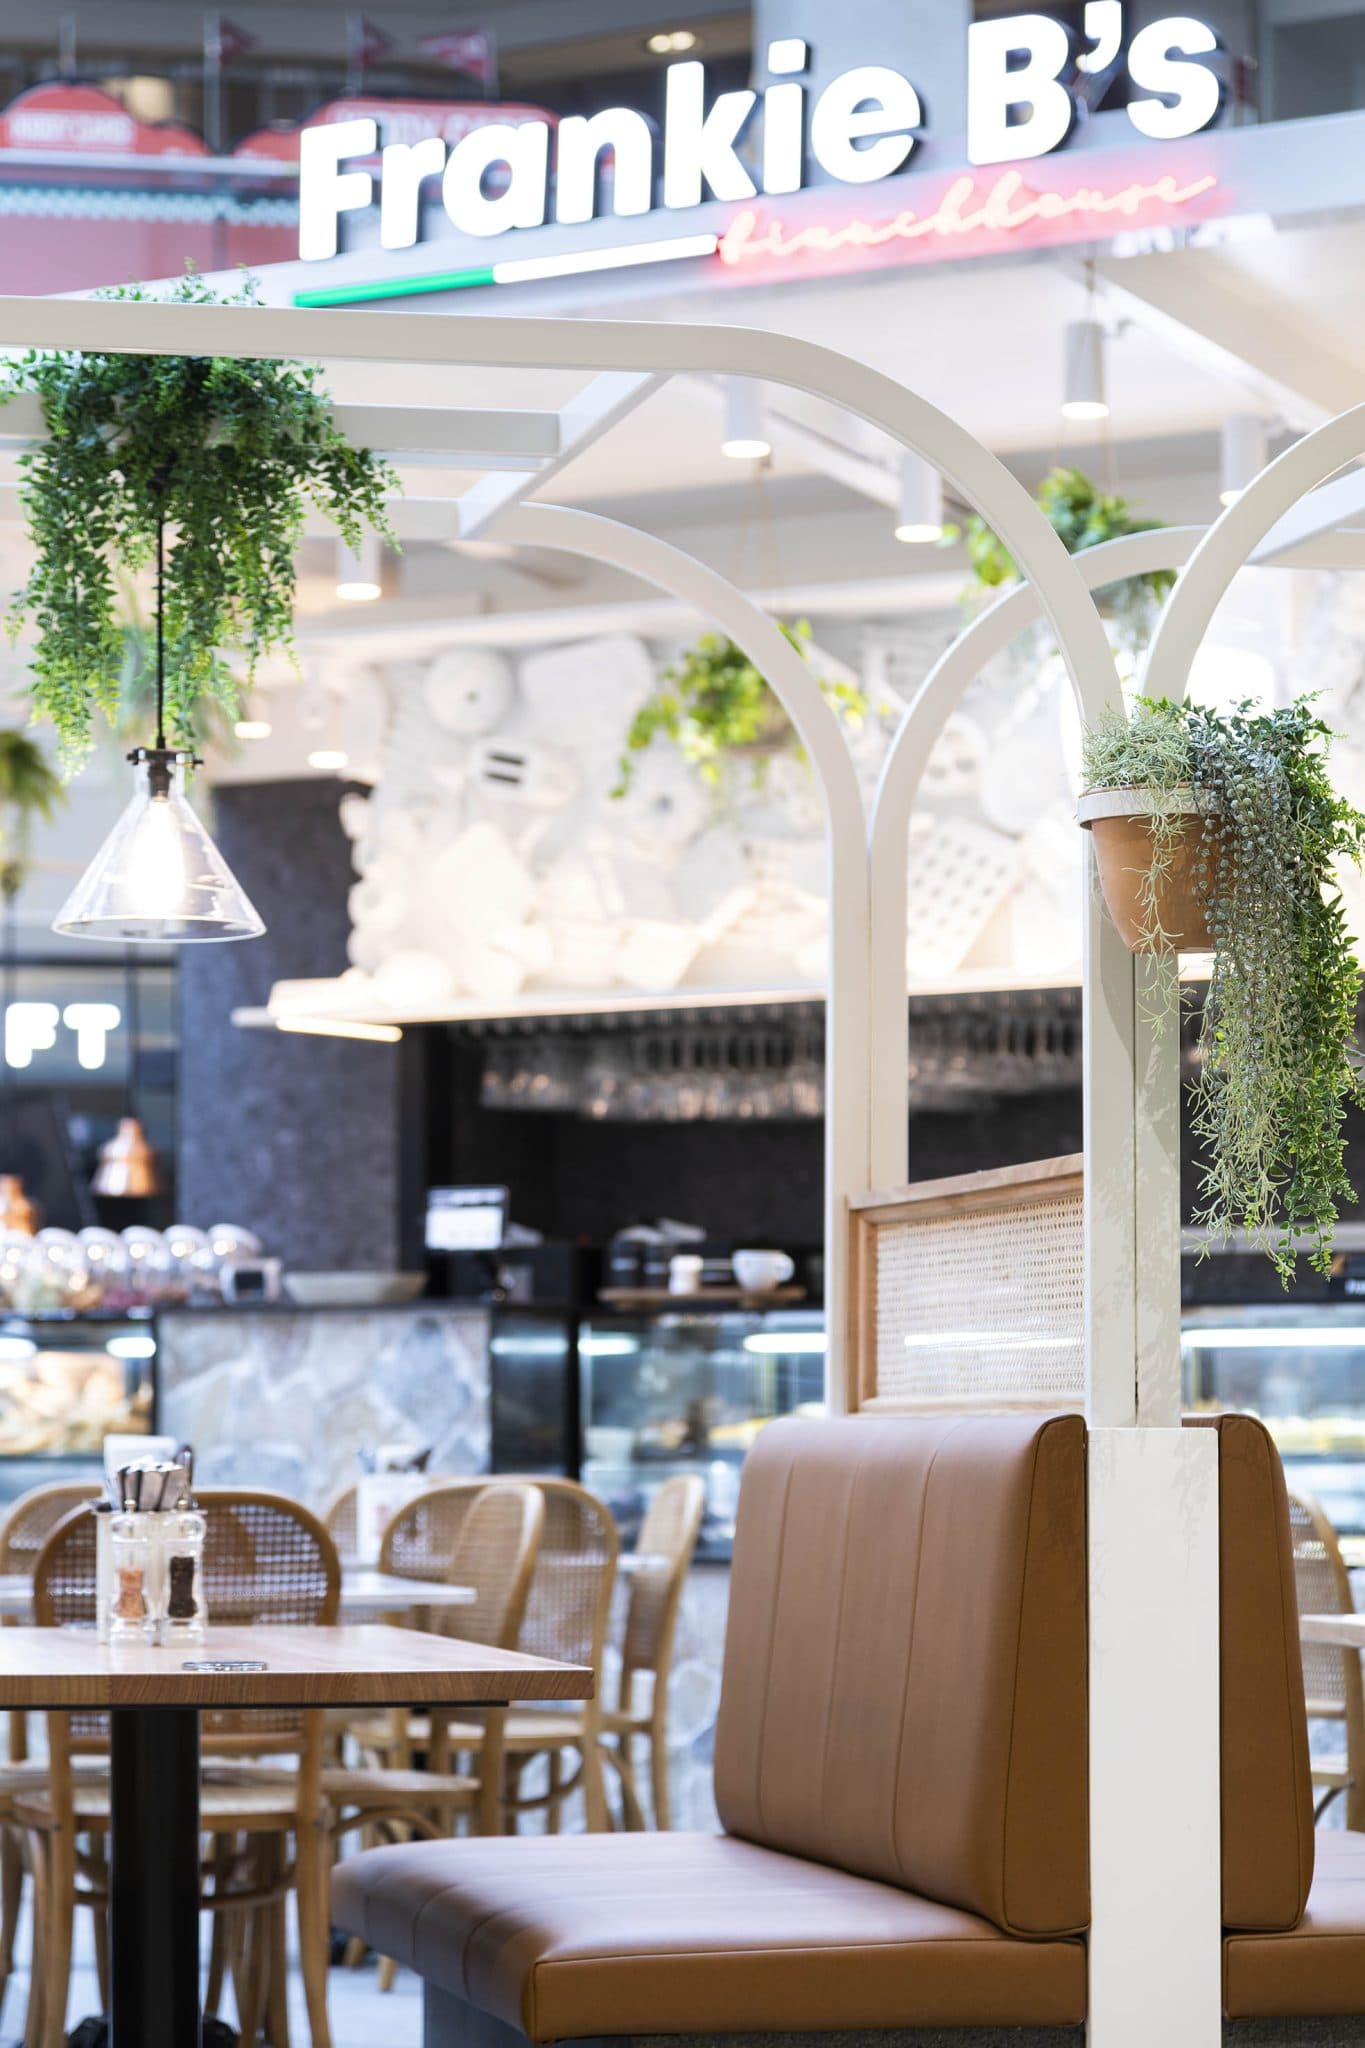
<point>671,1391</point>
<point>1300,1367</point>
<point>65,1384</point>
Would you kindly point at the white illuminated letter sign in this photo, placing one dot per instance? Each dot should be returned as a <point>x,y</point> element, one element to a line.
<point>871,105</point>
<point>579,144</point>
<point>1163,58</point>
<point>325,190</point>
<point>998,88</point>
<point>525,150</point>
<point>699,143</point>
<point>92,1023</point>
<point>406,166</point>
<point>1104,32</point>
<point>29,1028</point>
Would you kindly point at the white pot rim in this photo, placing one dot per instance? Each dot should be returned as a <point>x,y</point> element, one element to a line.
<point>1137,801</point>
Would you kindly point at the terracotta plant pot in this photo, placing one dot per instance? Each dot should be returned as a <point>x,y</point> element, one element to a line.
<point>1121,823</point>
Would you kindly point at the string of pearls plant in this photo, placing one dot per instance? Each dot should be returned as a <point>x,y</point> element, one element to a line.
<point>1277,1059</point>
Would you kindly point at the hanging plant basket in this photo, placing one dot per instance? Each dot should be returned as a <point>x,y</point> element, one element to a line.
<point>1120,822</point>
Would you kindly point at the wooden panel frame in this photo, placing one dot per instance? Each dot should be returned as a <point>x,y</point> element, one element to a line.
<point>995,1191</point>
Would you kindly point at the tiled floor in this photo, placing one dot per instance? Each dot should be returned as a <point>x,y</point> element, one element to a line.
<point>362,2016</point>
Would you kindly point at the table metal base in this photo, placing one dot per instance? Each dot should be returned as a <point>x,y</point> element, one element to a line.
<point>154,1878</point>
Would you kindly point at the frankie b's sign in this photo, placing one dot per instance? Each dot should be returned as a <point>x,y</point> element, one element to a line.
<point>1026,76</point>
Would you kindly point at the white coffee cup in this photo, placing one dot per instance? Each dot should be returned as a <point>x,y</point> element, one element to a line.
<point>760,1272</point>
<point>684,1273</point>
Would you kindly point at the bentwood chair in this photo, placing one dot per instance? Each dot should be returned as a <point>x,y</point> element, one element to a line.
<point>664,1552</point>
<point>487,1538</point>
<point>341,1520</point>
<point>267,1559</point>
<point>567,1613</point>
<point>23,1532</point>
<point>1331,1676</point>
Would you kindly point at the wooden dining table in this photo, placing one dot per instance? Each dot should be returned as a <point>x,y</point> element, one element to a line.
<point>154,1697</point>
<point>366,1594</point>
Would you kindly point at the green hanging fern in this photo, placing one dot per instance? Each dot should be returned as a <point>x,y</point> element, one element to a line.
<point>1277,1057</point>
<point>715,706</point>
<point>29,788</point>
<point>229,452</point>
<point>1081,515</point>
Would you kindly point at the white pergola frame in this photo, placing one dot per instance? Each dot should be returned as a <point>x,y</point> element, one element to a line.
<point>1155,1961</point>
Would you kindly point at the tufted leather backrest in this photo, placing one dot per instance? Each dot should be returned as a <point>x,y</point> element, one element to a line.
<point>905,1665</point>
<point>1267,1792</point>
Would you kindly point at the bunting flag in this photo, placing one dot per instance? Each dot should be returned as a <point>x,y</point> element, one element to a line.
<point>470,50</point>
<point>224,42</point>
<point>365,44</point>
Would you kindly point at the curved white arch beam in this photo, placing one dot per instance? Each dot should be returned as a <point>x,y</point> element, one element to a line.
<point>988,634</point>
<point>692,583</point>
<point>658,347</point>
<point>1233,538</point>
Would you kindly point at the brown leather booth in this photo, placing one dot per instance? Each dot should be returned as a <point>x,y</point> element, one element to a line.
<point>901,1778</point>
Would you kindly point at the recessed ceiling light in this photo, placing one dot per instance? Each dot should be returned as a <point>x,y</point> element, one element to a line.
<point>671,42</point>
<point>328,758</point>
<point>253,728</point>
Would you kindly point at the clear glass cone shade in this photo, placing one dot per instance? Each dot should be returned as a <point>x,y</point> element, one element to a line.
<point>158,879</point>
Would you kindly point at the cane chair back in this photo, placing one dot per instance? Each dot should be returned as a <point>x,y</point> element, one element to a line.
<point>570,1597</point>
<point>341,1520</point>
<point>664,1551</point>
<point>1331,1676</point>
<point>421,1538</point>
<point>64,1597</point>
<point>486,1537</point>
<point>32,1519</point>
<point>267,1559</point>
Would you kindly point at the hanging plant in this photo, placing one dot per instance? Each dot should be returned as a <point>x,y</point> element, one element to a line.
<point>716,708</point>
<point>1081,515</point>
<point>29,788</point>
<point>1228,831</point>
<point>223,453</point>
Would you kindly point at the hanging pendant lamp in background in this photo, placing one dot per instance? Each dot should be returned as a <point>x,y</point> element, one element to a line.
<point>159,879</point>
<point>127,1165</point>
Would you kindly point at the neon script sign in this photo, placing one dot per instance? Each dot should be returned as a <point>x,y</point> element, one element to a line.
<point>1006,208</point>
<point>1024,77</point>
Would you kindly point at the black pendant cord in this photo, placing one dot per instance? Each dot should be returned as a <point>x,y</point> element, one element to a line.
<point>132,1007</point>
<point>160,634</point>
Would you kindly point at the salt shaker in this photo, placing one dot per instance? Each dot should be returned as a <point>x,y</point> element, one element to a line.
<point>131,1612</point>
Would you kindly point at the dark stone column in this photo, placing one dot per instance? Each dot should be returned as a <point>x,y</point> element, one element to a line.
<point>296,1137</point>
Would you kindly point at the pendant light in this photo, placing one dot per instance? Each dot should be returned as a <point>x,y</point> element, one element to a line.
<point>1083,388</point>
<point>919,512</point>
<point>1243,453</point>
<point>159,879</point>
<point>746,437</point>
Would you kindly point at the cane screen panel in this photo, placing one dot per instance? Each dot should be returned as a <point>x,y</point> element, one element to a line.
<point>970,1292</point>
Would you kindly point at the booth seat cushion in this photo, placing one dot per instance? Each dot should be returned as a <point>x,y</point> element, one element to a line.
<point>1267,1791</point>
<point>575,1936</point>
<point>905,1667</point>
<point>1316,1969</point>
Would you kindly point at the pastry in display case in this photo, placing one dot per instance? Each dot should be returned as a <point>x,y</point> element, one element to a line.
<point>687,1391</point>
<point>64,1387</point>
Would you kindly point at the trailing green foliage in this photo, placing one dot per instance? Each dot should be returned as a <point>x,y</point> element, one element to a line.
<point>1081,515</point>
<point>29,788</point>
<point>229,452</point>
<point>714,705</point>
<point>1277,1057</point>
